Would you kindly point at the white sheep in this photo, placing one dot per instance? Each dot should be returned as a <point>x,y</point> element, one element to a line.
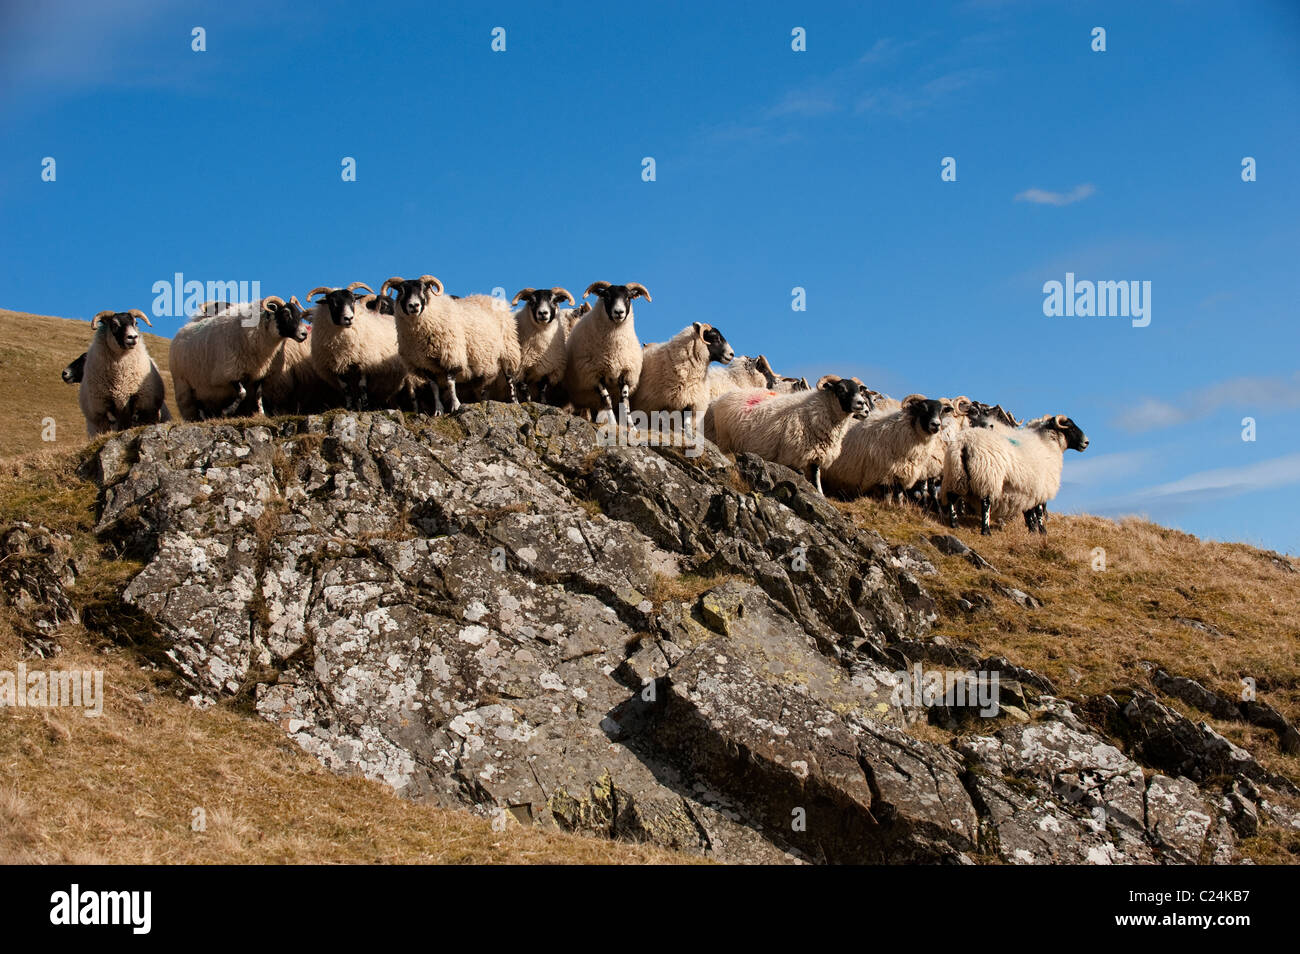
<point>674,374</point>
<point>1010,470</point>
<point>543,330</point>
<point>120,384</point>
<point>219,360</point>
<point>743,373</point>
<point>893,449</point>
<point>802,430</point>
<point>448,340</point>
<point>354,347</point>
<point>603,350</point>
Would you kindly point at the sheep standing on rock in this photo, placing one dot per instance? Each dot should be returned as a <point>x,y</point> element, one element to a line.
<point>604,353</point>
<point>1009,470</point>
<point>354,347</point>
<point>803,430</point>
<point>543,339</point>
<point>292,385</point>
<point>219,361</point>
<point>675,374</point>
<point>450,341</point>
<point>120,384</point>
<point>893,449</point>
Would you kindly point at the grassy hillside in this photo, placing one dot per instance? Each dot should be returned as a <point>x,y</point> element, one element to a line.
<point>34,350</point>
<point>122,788</point>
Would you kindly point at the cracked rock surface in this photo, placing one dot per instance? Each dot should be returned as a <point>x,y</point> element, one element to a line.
<point>495,612</point>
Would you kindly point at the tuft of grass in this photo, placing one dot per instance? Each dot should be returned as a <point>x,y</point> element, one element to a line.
<point>1099,630</point>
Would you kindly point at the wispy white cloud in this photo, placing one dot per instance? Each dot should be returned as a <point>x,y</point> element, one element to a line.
<point>1207,486</point>
<point>1092,471</point>
<point>1043,197</point>
<point>1246,392</point>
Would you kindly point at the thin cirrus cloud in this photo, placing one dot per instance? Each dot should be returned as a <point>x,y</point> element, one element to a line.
<point>1044,197</point>
<point>1152,413</point>
<point>1209,485</point>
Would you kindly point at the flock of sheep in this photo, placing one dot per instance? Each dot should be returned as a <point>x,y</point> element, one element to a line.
<point>411,347</point>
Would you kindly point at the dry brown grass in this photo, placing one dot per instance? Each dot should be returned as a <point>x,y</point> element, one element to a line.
<point>35,351</point>
<point>1097,629</point>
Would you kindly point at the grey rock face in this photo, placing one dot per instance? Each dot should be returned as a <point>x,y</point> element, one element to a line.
<point>493,611</point>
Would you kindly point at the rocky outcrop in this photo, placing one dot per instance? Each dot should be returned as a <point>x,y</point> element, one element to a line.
<point>496,612</point>
<point>36,572</point>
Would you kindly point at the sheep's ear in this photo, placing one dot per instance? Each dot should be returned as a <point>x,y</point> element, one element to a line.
<point>912,399</point>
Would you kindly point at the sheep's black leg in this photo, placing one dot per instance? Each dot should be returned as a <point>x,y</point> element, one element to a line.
<point>986,507</point>
<point>541,391</point>
<point>1031,517</point>
<point>363,393</point>
<point>624,394</point>
<point>453,401</point>
<point>241,393</point>
<point>1042,519</point>
<point>817,477</point>
<point>511,396</point>
<point>605,399</point>
<point>127,418</point>
<point>258,406</point>
<point>952,510</point>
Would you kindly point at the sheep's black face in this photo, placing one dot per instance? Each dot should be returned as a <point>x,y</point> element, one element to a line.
<point>123,328</point>
<point>849,393</point>
<point>289,320</point>
<point>73,372</point>
<point>543,306</point>
<point>866,392</point>
<point>412,297</point>
<point>1075,439</point>
<point>340,304</point>
<point>618,302</point>
<point>927,416</point>
<point>719,350</point>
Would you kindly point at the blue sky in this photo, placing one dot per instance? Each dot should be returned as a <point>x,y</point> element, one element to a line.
<point>774,169</point>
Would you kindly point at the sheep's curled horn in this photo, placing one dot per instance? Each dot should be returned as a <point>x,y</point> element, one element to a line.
<point>636,288</point>
<point>1061,421</point>
<point>430,280</point>
<point>94,322</point>
<point>596,287</point>
<point>522,293</point>
<point>961,404</point>
<point>912,399</point>
<point>559,294</point>
<point>826,379</point>
<point>266,303</point>
<point>322,290</point>
<point>356,285</point>
<point>137,313</point>
<point>392,283</point>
